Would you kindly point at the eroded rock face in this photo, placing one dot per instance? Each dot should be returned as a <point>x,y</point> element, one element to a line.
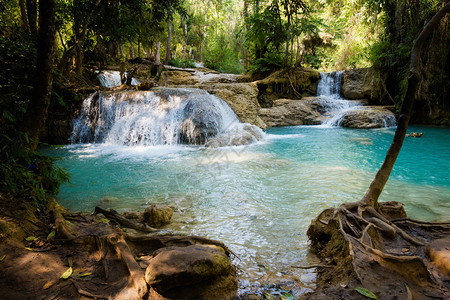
<point>368,117</point>
<point>287,112</point>
<point>290,84</point>
<point>157,215</point>
<point>361,84</point>
<point>192,272</point>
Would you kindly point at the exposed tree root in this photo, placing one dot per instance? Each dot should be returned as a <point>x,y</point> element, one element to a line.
<point>390,257</point>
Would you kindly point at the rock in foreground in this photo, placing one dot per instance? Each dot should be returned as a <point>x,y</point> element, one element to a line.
<point>193,272</point>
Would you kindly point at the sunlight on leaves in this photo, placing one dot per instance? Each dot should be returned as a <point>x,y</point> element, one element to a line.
<point>66,274</point>
<point>366,292</point>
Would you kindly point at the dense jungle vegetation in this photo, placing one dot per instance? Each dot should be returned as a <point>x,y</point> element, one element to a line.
<point>48,47</point>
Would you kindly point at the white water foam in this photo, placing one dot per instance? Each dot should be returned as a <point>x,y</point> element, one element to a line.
<point>111,79</point>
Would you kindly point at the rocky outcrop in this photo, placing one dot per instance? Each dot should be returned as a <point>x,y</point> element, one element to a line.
<point>192,272</point>
<point>368,117</point>
<point>157,215</point>
<point>286,112</point>
<point>289,84</point>
<point>361,84</point>
<point>169,78</point>
<point>241,97</point>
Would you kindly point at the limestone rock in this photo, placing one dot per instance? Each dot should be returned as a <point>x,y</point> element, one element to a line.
<point>244,134</point>
<point>137,216</point>
<point>145,85</point>
<point>287,112</point>
<point>290,84</point>
<point>157,215</point>
<point>361,84</point>
<point>241,97</point>
<point>177,78</point>
<point>192,272</point>
<point>368,117</point>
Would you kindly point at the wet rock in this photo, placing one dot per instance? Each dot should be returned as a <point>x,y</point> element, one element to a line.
<point>157,215</point>
<point>192,272</point>
<point>137,216</point>
<point>287,112</point>
<point>243,134</point>
<point>361,84</point>
<point>368,117</point>
<point>145,85</point>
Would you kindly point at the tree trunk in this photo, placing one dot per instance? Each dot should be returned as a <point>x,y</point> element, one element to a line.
<point>23,16</point>
<point>32,16</point>
<point>183,25</point>
<point>169,40</point>
<point>131,51</point>
<point>36,114</point>
<point>378,183</point>
<point>158,53</point>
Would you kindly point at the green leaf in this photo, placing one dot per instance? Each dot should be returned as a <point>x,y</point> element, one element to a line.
<point>2,257</point>
<point>104,220</point>
<point>29,249</point>
<point>31,239</point>
<point>366,292</point>
<point>51,234</point>
<point>85,274</point>
<point>67,273</point>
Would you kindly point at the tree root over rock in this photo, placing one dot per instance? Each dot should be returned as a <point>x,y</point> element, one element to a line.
<point>107,261</point>
<point>382,251</point>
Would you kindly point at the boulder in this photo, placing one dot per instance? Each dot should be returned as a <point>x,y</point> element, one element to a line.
<point>368,117</point>
<point>192,272</point>
<point>287,83</point>
<point>157,215</point>
<point>361,84</point>
<point>241,97</point>
<point>286,112</point>
<point>243,134</point>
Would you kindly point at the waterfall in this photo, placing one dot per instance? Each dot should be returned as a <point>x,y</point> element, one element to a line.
<point>111,79</point>
<point>332,103</point>
<point>165,116</point>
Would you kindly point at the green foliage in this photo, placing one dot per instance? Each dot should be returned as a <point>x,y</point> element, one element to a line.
<point>187,63</point>
<point>23,173</point>
<point>270,62</point>
<point>221,58</point>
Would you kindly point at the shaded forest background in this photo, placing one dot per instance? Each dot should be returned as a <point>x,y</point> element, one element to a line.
<point>232,36</point>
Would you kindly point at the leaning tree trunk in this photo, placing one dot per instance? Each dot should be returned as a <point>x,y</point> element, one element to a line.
<point>378,183</point>
<point>32,16</point>
<point>36,114</point>
<point>374,245</point>
<point>183,25</point>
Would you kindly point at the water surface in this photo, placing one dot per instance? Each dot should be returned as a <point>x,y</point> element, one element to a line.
<point>260,199</point>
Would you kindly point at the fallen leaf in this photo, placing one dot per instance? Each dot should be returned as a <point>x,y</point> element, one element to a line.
<point>137,258</point>
<point>85,274</point>
<point>405,250</point>
<point>29,249</point>
<point>104,220</point>
<point>47,285</point>
<point>31,239</point>
<point>51,234</point>
<point>366,292</point>
<point>66,274</point>
<point>2,257</point>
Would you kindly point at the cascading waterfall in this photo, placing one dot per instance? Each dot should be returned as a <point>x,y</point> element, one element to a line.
<point>329,91</point>
<point>337,108</point>
<point>111,79</point>
<point>166,116</point>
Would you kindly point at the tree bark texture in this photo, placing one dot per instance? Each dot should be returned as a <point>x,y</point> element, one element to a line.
<point>169,40</point>
<point>37,110</point>
<point>23,16</point>
<point>378,183</point>
<point>32,16</point>
<point>183,25</point>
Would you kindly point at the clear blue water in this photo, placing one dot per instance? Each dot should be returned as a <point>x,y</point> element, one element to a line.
<point>260,199</point>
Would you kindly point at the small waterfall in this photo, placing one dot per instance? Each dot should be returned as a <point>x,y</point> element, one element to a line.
<point>332,103</point>
<point>330,85</point>
<point>111,79</point>
<point>161,117</point>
